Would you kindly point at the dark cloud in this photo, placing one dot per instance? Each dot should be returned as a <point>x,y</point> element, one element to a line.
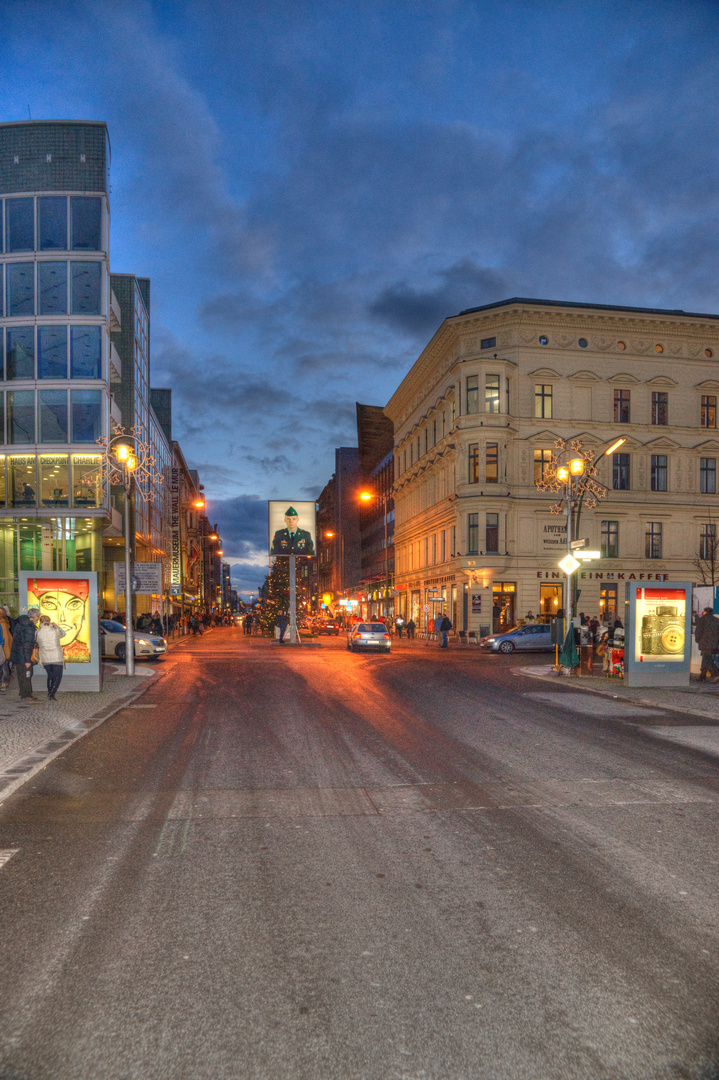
<point>464,284</point>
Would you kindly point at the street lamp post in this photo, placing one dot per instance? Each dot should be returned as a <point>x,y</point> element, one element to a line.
<point>126,460</point>
<point>367,496</point>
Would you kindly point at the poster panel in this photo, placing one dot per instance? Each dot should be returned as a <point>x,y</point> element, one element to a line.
<point>659,622</point>
<point>175,537</point>
<point>658,633</point>
<point>292,527</point>
<point>71,600</point>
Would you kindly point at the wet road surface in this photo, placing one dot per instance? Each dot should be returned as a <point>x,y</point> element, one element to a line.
<point>288,863</point>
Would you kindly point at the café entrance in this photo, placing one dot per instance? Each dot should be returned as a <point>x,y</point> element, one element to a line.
<point>550,600</point>
<point>504,594</point>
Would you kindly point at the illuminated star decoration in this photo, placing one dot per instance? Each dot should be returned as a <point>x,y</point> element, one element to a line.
<point>585,487</point>
<point>147,474</point>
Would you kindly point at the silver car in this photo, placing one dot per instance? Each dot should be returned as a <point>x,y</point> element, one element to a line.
<point>369,635</point>
<point>532,636</point>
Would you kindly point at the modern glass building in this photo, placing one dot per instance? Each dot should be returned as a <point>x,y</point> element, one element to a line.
<point>56,313</point>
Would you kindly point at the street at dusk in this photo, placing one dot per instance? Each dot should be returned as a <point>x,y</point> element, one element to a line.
<point>311,864</point>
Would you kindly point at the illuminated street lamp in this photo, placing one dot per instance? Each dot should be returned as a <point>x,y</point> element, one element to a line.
<point>367,497</point>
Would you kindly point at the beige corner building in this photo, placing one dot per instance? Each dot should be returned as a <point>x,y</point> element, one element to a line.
<point>476,420</point>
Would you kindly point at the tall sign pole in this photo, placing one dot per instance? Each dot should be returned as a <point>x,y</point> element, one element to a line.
<point>293,600</point>
<point>129,637</point>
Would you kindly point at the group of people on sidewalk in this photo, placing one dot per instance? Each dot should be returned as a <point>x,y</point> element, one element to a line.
<point>25,641</point>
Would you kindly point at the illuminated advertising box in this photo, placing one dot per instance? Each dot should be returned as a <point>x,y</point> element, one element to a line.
<point>658,634</point>
<point>71,600</point>
<point>292,529</point>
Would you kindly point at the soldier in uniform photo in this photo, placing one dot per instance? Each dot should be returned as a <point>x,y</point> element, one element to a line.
<point>292,540</point>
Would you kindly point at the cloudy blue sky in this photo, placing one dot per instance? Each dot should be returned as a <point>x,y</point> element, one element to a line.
<point>313,186</point>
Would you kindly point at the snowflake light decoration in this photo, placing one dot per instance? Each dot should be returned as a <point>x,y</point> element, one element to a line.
<point>146,473</point>
<point>586,488</point>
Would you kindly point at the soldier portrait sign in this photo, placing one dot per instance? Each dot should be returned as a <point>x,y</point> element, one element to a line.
<point>292,529</point>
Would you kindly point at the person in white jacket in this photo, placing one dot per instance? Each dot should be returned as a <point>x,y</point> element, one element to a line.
<point>50,654</point>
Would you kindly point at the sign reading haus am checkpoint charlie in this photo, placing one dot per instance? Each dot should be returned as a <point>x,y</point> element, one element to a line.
<point>292,528</point>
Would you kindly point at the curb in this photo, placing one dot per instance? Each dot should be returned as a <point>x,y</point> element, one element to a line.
<point>533,674</point>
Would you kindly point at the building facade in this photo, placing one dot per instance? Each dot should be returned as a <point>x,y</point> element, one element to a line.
<point>55,320</point>
<point>477,420</point>
<point>375,438</point>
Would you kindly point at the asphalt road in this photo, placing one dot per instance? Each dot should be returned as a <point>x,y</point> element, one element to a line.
<point>309,864</point>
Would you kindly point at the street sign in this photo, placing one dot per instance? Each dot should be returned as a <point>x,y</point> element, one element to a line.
<point>578,543</point>
<point>568,564</point>
<point>426,607</point>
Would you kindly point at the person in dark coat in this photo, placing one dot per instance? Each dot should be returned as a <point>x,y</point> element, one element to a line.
<point>443,625</point>
<point>24,641</point>
<point>281,623</point>
<point>706,635</point>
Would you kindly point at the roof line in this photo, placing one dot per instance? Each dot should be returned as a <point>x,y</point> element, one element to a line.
<point>591,307</point>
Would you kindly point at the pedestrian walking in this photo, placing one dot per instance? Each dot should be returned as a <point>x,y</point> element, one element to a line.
<point>6,622</point>
<point>281,623</point>
<point>706,635</point>
<point>24,640</point>
<point>50,654</point>
<point>247,624</point>
<point>399,626</point>
<point>410,629</point>
<point>443,625</point>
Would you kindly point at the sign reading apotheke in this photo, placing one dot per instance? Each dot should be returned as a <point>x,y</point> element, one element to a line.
<point>552,535</point>
<point>176,546</point>
<point>146,578</point>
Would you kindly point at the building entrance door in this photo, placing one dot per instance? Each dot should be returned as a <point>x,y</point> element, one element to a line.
<point>550,599</point>
<point>503,613</point>
<point>608,600</point>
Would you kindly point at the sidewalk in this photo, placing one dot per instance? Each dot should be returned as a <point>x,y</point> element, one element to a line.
<point>33,733</point>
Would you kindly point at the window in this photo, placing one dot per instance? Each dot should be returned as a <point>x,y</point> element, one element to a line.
<point>52,288</point>
<point>443,546</point>
<point>86,412</point>
<point>491,533</point>
<point>491,463</point>
<point>473,534</point>
<point>488,343</point>
<point>491,394</point>
<point>473,463</point>
<point>52,223</point>
<point>472,393</point>
<point>21,352</point>
<point>660,407</point>
<point>709,411</point>
<point>653,540</point>
<point>543,401</point>
<point>708,476</point>
<point>621,406</point>
<point>659,472</point>
<point>52,352</point>
<point>434,549</point>
<point>86,480</point>
<point>21,475</point>
<point>20,281</point>
<point>610,539</point>
<point>86,223</point>
<point>52,416</point>
<point>542,461</point>
<point>86,296</point>
<point>620,472</point>
<point>54,489</point>
<point>21,417</point>
<point>708,542</point>
<point>20,224</point>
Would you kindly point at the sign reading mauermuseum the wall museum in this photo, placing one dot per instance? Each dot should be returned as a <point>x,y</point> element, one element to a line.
<point>176,540</point>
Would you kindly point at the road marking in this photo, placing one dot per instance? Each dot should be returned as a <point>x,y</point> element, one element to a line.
<point>7,854</point>
<point>141,706</point>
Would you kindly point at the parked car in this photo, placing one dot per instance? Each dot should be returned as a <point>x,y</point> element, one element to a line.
<point>373,636</point>
<point>147,645</point>
<point>532,636</point>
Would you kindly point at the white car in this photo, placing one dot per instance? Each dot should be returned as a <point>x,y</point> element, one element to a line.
<point>113,642</point>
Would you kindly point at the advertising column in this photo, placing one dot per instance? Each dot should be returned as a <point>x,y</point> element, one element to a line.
<point>657,650</point>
